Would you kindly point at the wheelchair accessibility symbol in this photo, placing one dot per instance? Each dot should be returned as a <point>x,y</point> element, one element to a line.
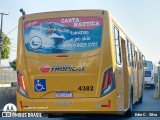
<point>40,85</point>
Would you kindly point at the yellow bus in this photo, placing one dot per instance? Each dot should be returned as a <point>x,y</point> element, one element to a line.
<point>78,61</point>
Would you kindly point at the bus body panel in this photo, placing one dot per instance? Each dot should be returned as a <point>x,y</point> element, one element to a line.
<point>141,79</point>
<point>125,74</point>
<point>58,79</point>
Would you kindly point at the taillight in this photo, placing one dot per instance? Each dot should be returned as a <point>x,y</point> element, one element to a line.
<point>21,84</point>
<point>108,82</point>
<point>110,77</point>
<point>105,81</point>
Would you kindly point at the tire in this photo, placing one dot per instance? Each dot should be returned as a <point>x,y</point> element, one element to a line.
<point>50,116</point>
<point>130,110</point>
<point>140,99</point>
<point>152,86</point>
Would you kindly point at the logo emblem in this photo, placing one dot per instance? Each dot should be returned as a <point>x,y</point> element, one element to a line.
<point>45,68</point>
<point>9,108</point>
<point>35,42</point>
<point>40,85</point>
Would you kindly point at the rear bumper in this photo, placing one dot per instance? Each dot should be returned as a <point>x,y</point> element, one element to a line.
<point>148,80</point>
<point>149,83</point>
<point>106,104</point>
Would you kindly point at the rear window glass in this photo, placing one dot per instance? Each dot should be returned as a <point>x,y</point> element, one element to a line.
<point>148,65</point>
<point>63,35</point>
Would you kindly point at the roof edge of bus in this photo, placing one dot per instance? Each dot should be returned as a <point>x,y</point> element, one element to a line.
<point>67,11</point>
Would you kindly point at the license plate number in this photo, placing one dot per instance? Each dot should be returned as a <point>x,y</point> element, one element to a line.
<point>63,94</point>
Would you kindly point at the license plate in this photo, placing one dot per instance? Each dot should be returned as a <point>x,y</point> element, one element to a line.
<point>63,94</point>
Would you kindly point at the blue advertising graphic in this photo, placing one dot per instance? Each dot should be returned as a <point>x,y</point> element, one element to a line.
<point>40,85</point>
<point>63,35</point>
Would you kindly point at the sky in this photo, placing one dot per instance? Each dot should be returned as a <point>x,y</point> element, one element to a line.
<point>139,18</point>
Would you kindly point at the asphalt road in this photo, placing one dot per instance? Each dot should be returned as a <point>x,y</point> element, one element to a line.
<point>149,105</point>
<point>7,95</point>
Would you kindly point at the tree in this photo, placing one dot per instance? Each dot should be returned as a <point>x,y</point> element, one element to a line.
<point>5,47</point>
<point>13,64</point>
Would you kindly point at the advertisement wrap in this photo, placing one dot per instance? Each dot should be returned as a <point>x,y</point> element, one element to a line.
<point>63,35</point>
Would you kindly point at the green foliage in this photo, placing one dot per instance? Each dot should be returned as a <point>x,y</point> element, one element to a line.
<point>5,47</point>
<point>13,64</point>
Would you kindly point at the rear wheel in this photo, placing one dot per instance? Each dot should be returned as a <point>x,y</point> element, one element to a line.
<point>140,99</point>
<point>129,112</point>
<point>50,116</point>
<point>152,86</point>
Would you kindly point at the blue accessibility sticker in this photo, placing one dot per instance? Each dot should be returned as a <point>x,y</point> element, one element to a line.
<point>40,85</point>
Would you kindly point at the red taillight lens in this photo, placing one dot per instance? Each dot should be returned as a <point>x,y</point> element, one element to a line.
<point>108,81</point>
<point>110,77</point>
<point>105,81</point>
<point>107,78</point>
<point>21,84</point>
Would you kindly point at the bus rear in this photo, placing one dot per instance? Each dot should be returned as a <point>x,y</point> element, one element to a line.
<point>59,63</point>
<point>149,74</point>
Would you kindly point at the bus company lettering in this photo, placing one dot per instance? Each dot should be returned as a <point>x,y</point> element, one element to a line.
<point>84,24</point>
<point>45,68</point>
<point>30,24</point>
<point>70,20</point>
<point>62,68</point>
<point>78,23</point>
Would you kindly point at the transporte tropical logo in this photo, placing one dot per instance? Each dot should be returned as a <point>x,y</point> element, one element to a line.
<point>45,68</point>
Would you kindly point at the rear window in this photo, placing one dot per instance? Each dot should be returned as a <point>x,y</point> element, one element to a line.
<point>147,74</point>
<point>148,65</point>
<point>63,35</point>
